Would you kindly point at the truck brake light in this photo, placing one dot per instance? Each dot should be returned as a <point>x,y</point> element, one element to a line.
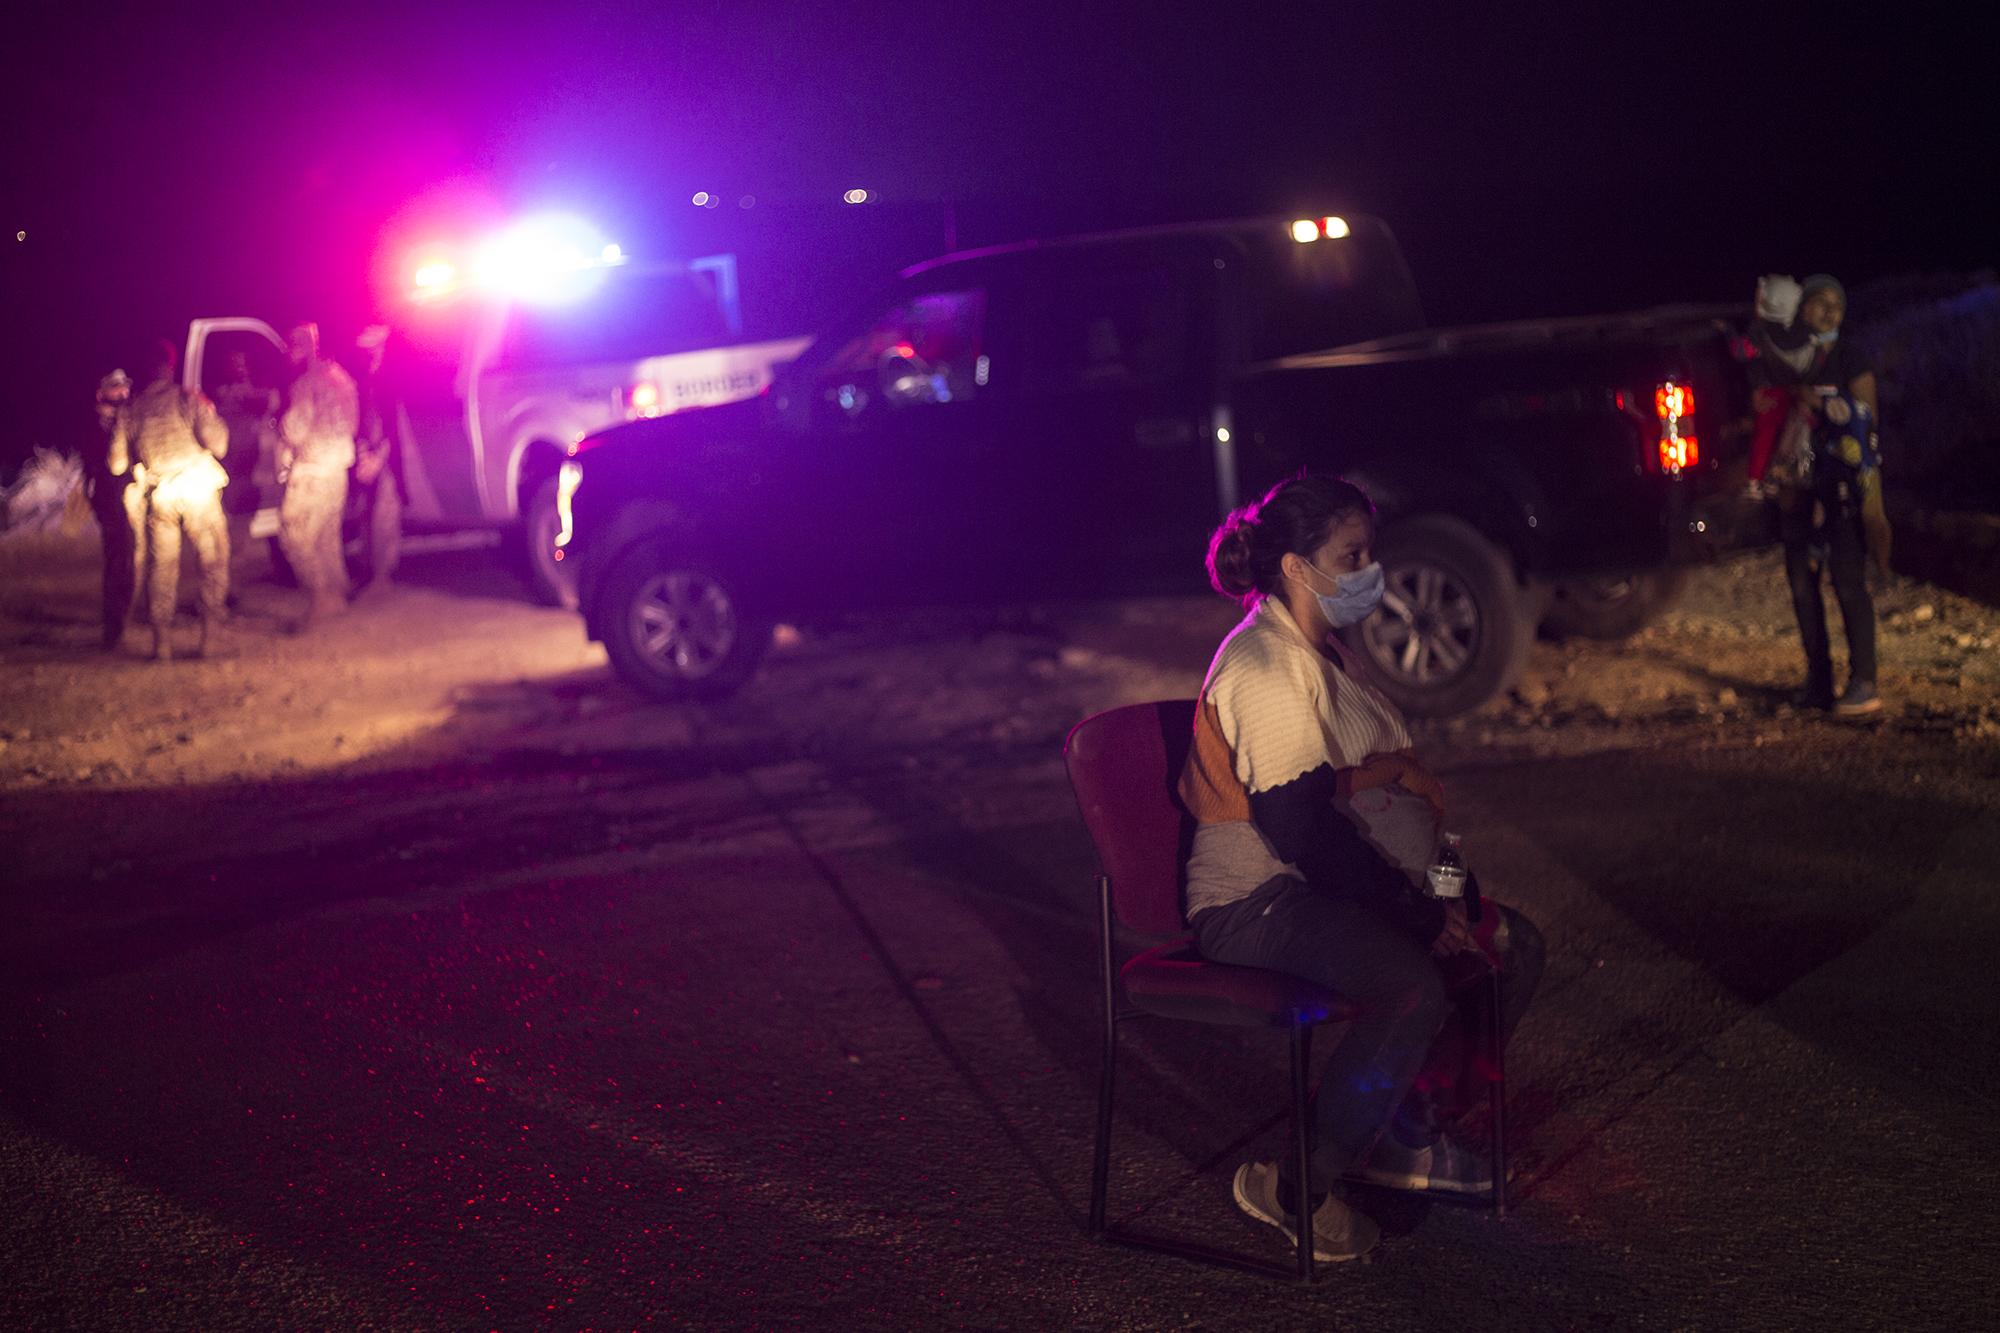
<point>1679,449</point>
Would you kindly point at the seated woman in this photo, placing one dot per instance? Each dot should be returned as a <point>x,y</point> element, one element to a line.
<point>1314,825</point>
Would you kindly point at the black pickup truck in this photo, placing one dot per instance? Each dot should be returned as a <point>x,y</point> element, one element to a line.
<point>1073,417</point>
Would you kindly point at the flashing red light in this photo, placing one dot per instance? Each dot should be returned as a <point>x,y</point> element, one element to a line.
<point>434,277</point>
<point>1673,400</point>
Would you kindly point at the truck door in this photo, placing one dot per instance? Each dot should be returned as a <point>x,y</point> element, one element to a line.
<point>1115,430</point>
<point>240,364</point>
<point>893,484</point>
<point>425,410</point>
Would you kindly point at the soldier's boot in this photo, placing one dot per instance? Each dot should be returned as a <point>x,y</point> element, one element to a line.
<point>320,610</point>
<point>163,645</point>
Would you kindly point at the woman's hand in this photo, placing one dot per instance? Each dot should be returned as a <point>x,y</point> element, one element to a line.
<point>1456,937</point>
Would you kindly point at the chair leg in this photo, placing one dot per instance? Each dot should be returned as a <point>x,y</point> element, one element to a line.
<point>1100,1168</point>
<point>1302,1163</point>
<point>1497,1091</point>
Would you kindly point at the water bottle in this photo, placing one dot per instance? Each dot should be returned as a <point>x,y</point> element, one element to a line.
<point>1446,877</point>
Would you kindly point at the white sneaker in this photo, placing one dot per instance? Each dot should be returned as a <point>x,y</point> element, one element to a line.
<point>1339,1233</point>
<point>1447,1166</point>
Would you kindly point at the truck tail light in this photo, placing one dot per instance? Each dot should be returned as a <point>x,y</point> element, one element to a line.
<point>642,400</point>
<point>1679,449</point>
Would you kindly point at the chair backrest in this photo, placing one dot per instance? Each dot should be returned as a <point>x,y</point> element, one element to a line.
<point>1124,766</point>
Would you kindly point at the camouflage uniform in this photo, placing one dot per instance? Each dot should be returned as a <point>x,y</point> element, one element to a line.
<point>250,411</point>
<point>178,440</point>
<point>377,469</point>
<point>318,431</point>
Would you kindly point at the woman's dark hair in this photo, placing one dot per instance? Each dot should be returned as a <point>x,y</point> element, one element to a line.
<point>1295,518</point>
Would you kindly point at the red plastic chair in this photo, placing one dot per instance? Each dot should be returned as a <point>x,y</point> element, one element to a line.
<point>1124,765</point>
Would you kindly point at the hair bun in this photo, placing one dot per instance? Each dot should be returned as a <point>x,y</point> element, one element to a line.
<point>1229,554</point>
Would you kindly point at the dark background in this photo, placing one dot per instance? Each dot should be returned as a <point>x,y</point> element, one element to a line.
<point>1534,159</point>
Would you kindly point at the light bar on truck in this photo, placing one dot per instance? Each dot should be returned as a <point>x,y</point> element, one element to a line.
<point>547,258</point>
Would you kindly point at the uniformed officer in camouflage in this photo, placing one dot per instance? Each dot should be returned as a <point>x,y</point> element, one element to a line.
<point>377,468</point>
<point>172,443</point>
<point>315,450</point>
<point>250,411</point>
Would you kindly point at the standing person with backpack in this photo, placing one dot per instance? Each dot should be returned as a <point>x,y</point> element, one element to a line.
<point>1832,519</point>
<point>171,442</point>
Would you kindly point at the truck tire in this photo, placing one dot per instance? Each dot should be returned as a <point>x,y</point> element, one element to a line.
<point>1611,606</point>
<point>554,581</point>
<point>1454,628</point>
<point>675,627</point>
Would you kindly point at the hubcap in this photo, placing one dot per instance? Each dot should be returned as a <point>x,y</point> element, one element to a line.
<point>1428,629</point>
<point>684,623</point>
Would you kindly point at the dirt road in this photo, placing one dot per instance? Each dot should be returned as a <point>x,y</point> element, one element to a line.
<point>458,655</point>
<point>416,974</point>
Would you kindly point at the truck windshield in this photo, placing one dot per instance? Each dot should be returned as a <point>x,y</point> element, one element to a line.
<point>1329,292</point>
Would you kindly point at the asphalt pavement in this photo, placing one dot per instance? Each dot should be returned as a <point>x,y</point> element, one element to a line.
<point>733,1032</point>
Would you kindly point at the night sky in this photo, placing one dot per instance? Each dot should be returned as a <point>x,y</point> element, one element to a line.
<point>1556,158</point>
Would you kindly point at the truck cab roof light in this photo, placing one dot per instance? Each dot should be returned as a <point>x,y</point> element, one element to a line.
<point>1306,230</point>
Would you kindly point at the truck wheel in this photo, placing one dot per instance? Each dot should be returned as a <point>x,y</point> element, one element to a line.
<point>1611,606</point>
<point>555,582</point>
<point>1453,629</point>
<point>675,627</point>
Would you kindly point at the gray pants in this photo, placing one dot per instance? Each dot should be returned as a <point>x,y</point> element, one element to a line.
<point>1403,1028</point>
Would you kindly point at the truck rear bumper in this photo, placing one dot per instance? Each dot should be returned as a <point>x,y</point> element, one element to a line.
<point>1713,526</point>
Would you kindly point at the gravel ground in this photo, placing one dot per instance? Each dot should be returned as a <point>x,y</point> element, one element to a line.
<point>415,974</point>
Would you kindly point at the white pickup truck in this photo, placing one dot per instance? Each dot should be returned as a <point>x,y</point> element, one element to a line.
<point>485,397</point>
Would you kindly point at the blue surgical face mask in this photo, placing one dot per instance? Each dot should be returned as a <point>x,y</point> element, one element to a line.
<point>1355,597</point>
<point>1827,339</point>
